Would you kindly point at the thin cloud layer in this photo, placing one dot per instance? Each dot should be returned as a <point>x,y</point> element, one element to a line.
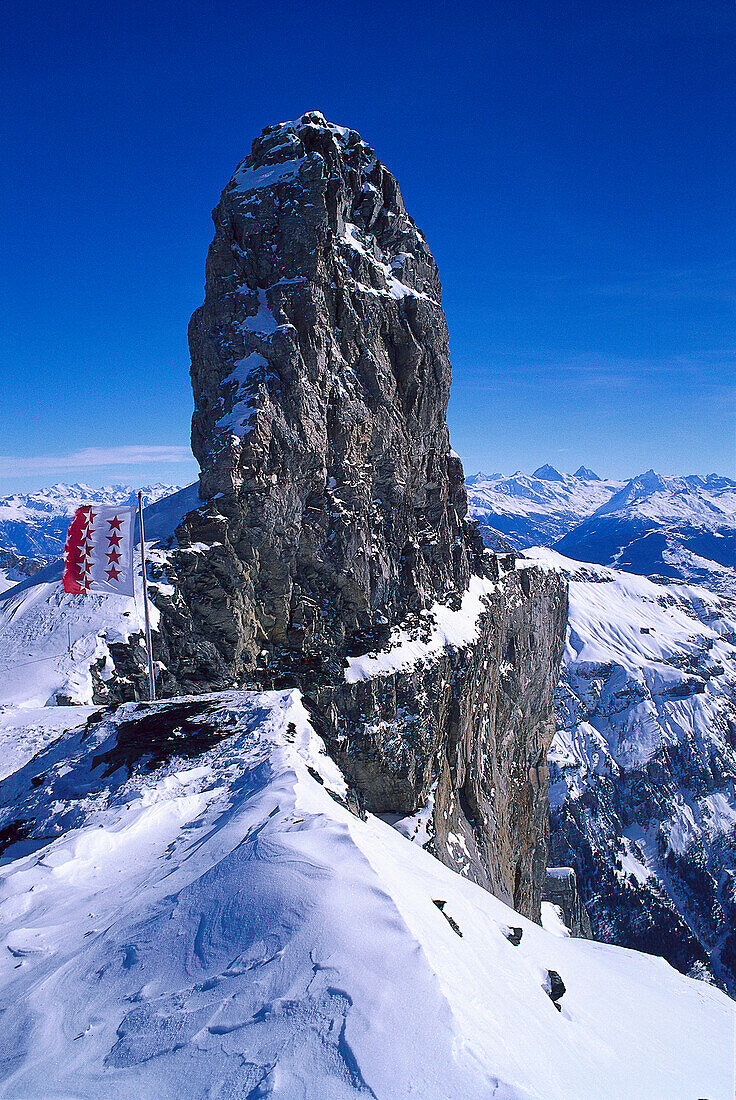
<point>93,458</point>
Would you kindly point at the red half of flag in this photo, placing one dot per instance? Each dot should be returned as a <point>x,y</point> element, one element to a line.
<point>98,555</point>
<point>74,578</point>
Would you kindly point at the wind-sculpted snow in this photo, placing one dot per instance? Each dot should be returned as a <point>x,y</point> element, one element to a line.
<point>643,764</point>
<point>190,908</point>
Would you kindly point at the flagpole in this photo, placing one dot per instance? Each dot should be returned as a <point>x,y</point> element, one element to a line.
<point>149,649</point>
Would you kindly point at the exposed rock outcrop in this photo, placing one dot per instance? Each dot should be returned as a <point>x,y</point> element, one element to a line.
<point>561,889</point>
<point>17,566</point>
<point>321,377</point>
<point>334,512</point>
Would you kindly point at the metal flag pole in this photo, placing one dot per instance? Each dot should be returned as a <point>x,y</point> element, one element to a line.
<point>149,648</point>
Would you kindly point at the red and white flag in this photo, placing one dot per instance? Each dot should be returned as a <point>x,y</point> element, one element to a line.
<point>98,556</point>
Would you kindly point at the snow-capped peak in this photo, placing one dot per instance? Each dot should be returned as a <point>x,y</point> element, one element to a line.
<point>586,474</point>
<point>548,473</point>
<point>692,498</point>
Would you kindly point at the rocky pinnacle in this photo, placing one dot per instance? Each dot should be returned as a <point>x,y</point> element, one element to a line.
<point>334,512</point>
<point>321,377</point>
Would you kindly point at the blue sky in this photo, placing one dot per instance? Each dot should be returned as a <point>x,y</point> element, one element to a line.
<point>571,164</point>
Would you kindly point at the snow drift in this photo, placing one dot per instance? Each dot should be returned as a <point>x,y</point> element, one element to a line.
<point>189,906</point>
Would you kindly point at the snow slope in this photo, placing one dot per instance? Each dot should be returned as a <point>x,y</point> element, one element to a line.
<point>192,910</point>
<point>536,509</point>
<point>643,765</point>
<point>678,527</point>
<point>708,501</point>
<point>34,525</point>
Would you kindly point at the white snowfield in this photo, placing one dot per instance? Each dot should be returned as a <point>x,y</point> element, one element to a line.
<point>650,635</point>
<point>629,618</point>
<point>223,926</point>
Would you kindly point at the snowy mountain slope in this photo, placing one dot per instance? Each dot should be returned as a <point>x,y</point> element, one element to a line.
<point>189,908</point>
<point>678,527</point>
<point>34,525</point>
<point>707,501</point>
<point>14,568</point>
<point>643,765</point>
<point>536,509</point>
<point>51,640</point>
<point>683,528</point>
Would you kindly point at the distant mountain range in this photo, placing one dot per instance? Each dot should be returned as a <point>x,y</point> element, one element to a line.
<point>33,526</point>
<point>536,509</point>
<point>681,528</point>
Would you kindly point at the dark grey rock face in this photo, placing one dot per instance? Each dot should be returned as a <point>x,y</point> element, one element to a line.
<point>334,510</point>
<point>18,566</point>
<point>470,731</point>
<point>685,907</point>
<point>561,889</point>
<point>321,377</point>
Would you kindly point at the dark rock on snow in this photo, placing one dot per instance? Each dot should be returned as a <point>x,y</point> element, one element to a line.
<point>554,988</point>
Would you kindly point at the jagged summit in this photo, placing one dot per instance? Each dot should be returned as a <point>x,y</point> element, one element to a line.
<point>331,552</point>
<point>548,473</point>
<point>321,376</point>
<point>586,474</point>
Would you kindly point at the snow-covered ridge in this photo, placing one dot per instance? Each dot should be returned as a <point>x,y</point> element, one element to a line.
<point>553,502</point>
<point>63,500</point>
<point>224,925</point>
<point>678,527</point>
